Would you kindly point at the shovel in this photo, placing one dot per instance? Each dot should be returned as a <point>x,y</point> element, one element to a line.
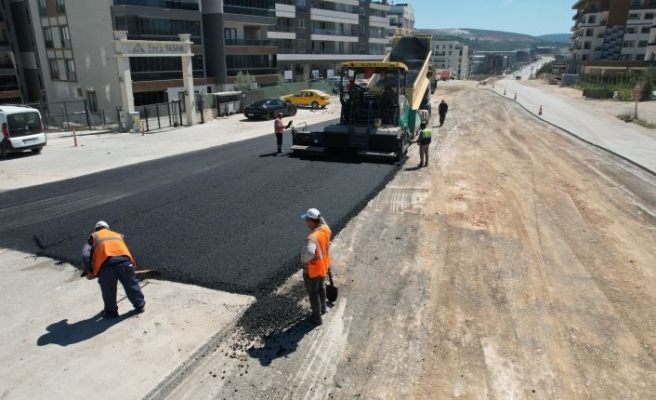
<point>331,290</point>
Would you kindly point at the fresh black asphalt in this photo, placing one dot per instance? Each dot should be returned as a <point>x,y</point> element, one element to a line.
<point>226,217</point>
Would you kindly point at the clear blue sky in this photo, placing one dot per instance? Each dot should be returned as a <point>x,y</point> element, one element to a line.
<point>531,17</point>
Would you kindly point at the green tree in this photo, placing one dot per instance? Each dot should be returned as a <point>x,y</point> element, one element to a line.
<point>244,82</point>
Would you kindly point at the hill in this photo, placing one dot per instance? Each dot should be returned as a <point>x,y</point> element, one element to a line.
<point>485,40</point>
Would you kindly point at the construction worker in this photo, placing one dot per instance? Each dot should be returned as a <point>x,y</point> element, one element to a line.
<point>424,143</point>
<point>279,128</point>
<point>315,257</point>
<point>442,110</point>
<point>106,256</point>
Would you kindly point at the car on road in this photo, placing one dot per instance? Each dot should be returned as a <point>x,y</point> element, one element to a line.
<point>308,97</point>
<point>268,108</point>
<point>22,129</point>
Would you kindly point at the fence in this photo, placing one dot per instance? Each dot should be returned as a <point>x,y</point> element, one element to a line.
<point>162,115</point>
<point>68,115</point>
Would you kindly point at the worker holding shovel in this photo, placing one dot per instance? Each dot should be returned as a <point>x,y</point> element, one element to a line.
<point>316,262</point>
<point>106,256</point>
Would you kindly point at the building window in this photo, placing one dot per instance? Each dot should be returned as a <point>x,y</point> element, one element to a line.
<point>649,16</point>
<point>230,35</point>
<point>47,35</point>
<point>640,57</point>
<point>70,70</point>
<point>645,29</point>
<point>301,3</point>
<point>633,17</point>
<point>625,57</point>
<point>54,69</point>
<point>630,31</point>
<point>642,43</point>
<point>592,19</point>
<point>301,23</point>
<point>300,45</point>
<point>587,45</point>
<point>43,10</point>
<point>65,37</point>
<point>629,44</point>
<point>60,7</point>
<point>92,101</point>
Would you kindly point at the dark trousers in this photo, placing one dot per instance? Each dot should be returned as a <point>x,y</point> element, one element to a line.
<point>442,118</point>
<point>279,141</point>
<point>108,277</point>
<point>316,288</point>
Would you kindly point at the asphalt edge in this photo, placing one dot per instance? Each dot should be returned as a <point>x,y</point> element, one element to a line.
<point>640,166</point>
<point>173,379</point>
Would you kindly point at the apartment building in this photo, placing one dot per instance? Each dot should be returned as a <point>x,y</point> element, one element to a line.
<point>20,77</point>
<point>235,38</point>
<point>453,55</point>
<point>74,46</point>
<point>612,35</point>
<point>402,21</point>
<point>312,37</point>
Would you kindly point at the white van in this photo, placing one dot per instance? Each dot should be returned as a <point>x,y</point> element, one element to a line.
<point>22,129</point>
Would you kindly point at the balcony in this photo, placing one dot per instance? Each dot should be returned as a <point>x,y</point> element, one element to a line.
<point>174,5</point>
<point>317,14</point>
<point>256,12</point>
<point>382,22</point>
<point>250,43</point>
<point>335,32</point>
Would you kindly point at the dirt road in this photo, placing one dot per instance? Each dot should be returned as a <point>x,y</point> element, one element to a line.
<point>519,264</point>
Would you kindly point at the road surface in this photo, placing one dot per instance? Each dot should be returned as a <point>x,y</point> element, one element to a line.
<point>519,264</point>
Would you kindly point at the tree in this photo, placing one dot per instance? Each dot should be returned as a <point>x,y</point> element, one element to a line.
<point>244,82</point>
<point>648,85</point>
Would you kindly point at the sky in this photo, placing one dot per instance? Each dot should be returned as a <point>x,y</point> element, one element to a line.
<point>531,17</point>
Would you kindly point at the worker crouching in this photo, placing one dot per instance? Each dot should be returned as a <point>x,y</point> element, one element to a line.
<point>315,257</point>
<point>107,257</point>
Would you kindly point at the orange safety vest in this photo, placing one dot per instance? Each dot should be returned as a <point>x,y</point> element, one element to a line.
<point>320,263</point>
<point>105,244</point>
<point>278,126</point>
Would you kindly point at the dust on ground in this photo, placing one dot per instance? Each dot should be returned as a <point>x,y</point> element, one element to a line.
<point>519,264</point>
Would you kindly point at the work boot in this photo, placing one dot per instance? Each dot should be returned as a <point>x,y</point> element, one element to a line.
<point>110,314</point>
<point>139,310</point>
<point>317,321</point>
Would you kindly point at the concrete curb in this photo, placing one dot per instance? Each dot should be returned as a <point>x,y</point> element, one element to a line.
<point>642,167</point>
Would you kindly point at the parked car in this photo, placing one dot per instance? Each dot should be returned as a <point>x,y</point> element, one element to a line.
<point>309,97</point>
<point>334,81</point>
<point>22,129</point>
<point>268,108</point>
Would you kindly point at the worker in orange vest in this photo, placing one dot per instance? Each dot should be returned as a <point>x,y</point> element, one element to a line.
<point>279,128</point>
<point>315,257</point>
<point>106,256</point>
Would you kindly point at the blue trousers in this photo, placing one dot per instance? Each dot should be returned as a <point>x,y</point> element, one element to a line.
<point>110,275</point>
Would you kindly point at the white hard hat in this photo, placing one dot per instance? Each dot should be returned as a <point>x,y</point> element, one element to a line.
<point>312,213</point>
<point>101,224</point>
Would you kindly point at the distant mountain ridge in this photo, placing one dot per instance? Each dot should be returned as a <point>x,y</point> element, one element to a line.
<point>479,39</point>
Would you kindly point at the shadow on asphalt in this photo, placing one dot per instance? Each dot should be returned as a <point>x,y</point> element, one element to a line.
<point>282,343</point>
<point>64,334</point>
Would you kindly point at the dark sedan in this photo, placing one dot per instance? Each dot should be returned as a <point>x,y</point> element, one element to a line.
<point>268,108</point>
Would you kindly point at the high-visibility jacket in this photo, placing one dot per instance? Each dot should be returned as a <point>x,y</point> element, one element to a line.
<point>105,244</point>
<point>425,136</point>
<point>319,264</point>
<point>278,126</point>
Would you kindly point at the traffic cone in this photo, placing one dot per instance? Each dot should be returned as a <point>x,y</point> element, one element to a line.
<point>74,138</point>
<point>504,92</point>
<point>515,96</point>
<point>540,112</point>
